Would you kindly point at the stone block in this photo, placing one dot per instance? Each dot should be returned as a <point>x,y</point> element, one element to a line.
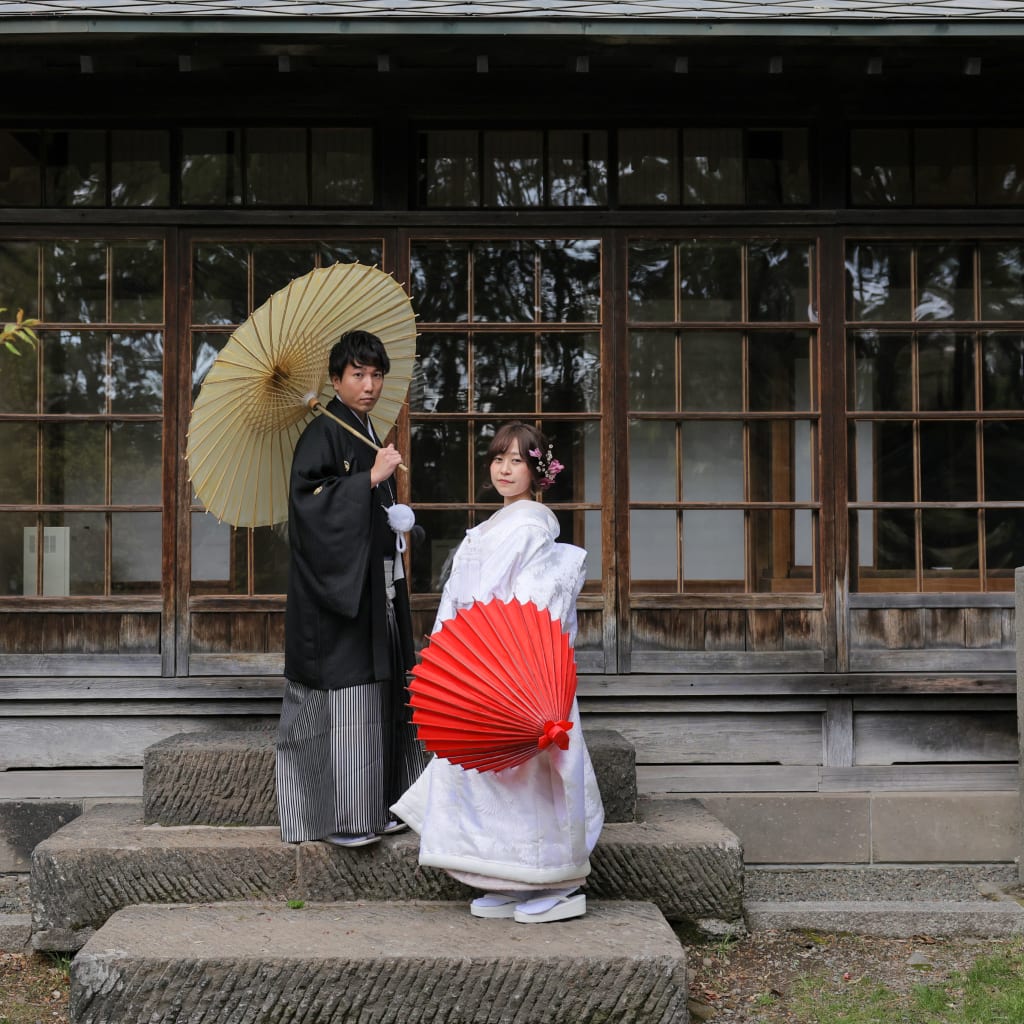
<point>226,777</point>
<point>24,823</point>
<point>949,827</point>
<point>787,828</point>
<point>15,933</point>
<point>386,962</point>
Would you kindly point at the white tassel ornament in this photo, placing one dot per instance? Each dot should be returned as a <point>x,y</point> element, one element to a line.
<point>401,519</point>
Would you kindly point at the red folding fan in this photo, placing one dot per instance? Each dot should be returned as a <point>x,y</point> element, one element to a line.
<point>495,686</point>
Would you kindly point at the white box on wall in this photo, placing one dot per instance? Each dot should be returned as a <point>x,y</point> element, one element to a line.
<point>56,561</point>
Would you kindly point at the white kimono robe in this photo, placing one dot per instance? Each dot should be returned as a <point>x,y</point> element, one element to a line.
<point>533,825</point>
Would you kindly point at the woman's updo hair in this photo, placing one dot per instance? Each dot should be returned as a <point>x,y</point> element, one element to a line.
<point>527,438</point>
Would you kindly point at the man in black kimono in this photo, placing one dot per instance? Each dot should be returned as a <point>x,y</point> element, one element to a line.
<point>345,747</point>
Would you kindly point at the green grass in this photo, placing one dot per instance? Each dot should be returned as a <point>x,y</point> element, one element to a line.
<point>990,992</point>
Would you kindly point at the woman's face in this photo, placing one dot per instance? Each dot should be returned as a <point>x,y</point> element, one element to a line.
<point>510,475</point>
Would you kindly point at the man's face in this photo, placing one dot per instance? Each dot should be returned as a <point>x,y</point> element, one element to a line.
<point>359,387</point>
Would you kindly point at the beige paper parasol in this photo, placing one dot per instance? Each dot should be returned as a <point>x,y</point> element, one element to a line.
<point>271,378</point>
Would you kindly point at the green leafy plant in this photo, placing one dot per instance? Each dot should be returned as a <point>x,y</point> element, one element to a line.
<point>296,904</point>
<point>21,330</point>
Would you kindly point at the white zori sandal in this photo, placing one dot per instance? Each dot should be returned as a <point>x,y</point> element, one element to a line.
<point>557,907</point>
<point>496,904</point>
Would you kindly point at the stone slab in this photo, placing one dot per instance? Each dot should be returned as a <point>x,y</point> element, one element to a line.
<point>891,918</point>
<point>226,777</point>
<point>24,823</point>
<point>387,963</point>
<point>677,857</point>
<point>15,933</point>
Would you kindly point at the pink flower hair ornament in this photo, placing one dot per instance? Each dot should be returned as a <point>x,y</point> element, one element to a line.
<point>548,467</point>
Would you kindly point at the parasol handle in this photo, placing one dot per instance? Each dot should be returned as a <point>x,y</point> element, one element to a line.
<point>316,407</point>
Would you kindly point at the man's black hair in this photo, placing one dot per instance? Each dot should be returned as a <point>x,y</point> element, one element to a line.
<point>358,348</point>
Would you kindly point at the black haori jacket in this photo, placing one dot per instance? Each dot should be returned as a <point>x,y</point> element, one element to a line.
<point>335,620</point>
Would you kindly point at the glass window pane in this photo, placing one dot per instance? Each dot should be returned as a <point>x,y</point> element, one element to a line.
<point>75,372</point>
<point>343,167</point>
<point>570,280</point>
<point>449,168</point>
<point>883,542</point>
<point>369,252</point>
<point>136,372</point>
<point>948,462</point>
<point>778,171</point>
<point>73,463</point>
<point>1000,166</point>
<point>878,281</point>
<point>276,167</point>
<point>211,167</point>
<point>780,458</point>
<point>712,461</point>
<point>1002,368</point>
<point>946,372</point>
<point>18,551</point>
<point>18,463</point>
<point>653,546</point>
<point>584,530</point>
<point>137,282</point>
<point>710,280</point>
<point>578,447</point>
<point>512,168</point>
<point>135,468</point>
<point>76,168</point>
<point>205,346</point>
<point>503,373</point>
<point>880,167</point>
<point>945,284</point>
<point>1002,280</point>
<point>648,167</point>
<point>74,282</point>
<point>19,277</point>
<point>270,559</point>
<point>1004,455</point>
<point>880,374</point>
<point>651,281</point>
<point>20,181</point>
<point>944,167</point>
<point>780,372</point>
<point>713,548</point>
<point>440,462</point>
<point>884,465</point>
<point>503,280</point>
<point>440,376</point>
<point>443,532</point>
<point>216,567</point>
<point>273,266</point>
<point>570,372</point>
<point>19,376</point>
<point>949,538</point>
<point>713,167</point>
<point>1004,541</point>
<point>652,461</point>
<point>220,284</point>
<point>135,552</point>
<point>439,281</point>
<point>577,168</point>
<point>712,371</point>
<point>140,168</point>
<point>83,536</point>
<point>775,543</point>
<point>780,281</point>
<point>652,371</point>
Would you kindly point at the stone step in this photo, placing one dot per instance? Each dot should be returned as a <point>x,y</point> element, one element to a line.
<point>226,777</point>
<point>900,919</point>
<point>388,963</point>
<point>677,856</point>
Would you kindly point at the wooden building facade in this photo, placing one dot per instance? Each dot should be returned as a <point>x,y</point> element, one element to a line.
<point>761,280</point>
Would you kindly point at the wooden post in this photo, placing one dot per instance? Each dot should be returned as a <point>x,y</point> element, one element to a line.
<point>1018,629</point>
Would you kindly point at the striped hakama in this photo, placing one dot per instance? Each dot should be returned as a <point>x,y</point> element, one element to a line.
<point>344,756</point>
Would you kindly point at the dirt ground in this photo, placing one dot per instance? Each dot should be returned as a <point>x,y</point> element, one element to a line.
<point>744,982</point>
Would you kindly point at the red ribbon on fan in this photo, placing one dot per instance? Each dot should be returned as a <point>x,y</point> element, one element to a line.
<point>495,686</point>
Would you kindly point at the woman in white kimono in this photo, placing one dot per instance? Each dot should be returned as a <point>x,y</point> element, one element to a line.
<point>524,834</point>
